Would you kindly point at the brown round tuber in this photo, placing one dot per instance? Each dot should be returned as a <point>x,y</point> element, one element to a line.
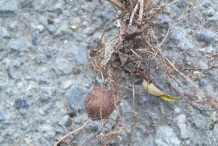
<point>100,99</point>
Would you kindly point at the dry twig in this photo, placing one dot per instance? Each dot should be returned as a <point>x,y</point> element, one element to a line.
<point>118,4</point>
<point>65,136</point>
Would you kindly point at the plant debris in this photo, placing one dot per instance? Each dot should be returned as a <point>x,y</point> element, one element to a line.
<point>136,46</point>
<point>130,51</point>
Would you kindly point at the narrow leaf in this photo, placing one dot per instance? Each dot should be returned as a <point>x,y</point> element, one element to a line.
<point>153,90</point>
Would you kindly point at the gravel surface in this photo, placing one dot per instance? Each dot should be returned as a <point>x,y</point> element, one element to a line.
<point>45,75</point>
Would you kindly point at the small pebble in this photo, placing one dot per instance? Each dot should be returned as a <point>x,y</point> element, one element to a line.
<point>177,33</point>
<point>16,45</point>
<point>164,21</point>
<point>2,116</point>
<point>48,53</point>
<point>47,108</point>
<point>93,126</point>
<point>13,27</point>
<point>185,129</point>
<point>24,3</point>
<point>165,136</point>
<point>76,97</point>
<point>200,122</point>
<point>47,131</point>
<point>35,37</point>
<point>47,93</point>
<point>185,44</point>
<point>177,110</point>
<point>63,121</point>
<point>20,103</point>
<point>1,87</point>
<point>50,27</point>
<point>210,12</point>
<point>40,59</point>
<point>8,8</point>
<point>64,65</point>
<point>10,72</point>
<point>80,54</point>
<point>67,84</point>
<point>5,33</point>
<point>212,21</point>
<point>205,35</point>
<point>63,29</point>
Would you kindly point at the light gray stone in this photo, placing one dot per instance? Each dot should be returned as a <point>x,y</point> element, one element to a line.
<point>5,33</point>
<point>40,28</point>
<point>185,129</point>
<point>200,122</point>
<point>21,102</point>
<point>63,121</point>
<point>183,3</point>
<point>35,37</point>
<point>177,110</point>
<point>206,35</point>
<point>80,54</point>
<point>47,93</point>
<point>16,45</point>
<point>63,29</point>
<point>177,33</point>
<point>48,107</point>
<point>24,3</point>
<point>50,27</point>
<point>76,97</point>
<point>80,119</point>
<point>64,65</point>
<point>149,141</point>
<point>47,131</point>
<point>125,107</point>
<point>93,126</point>
<point>67,84</point>
<point>185,44</point>
<point>8,8</point>
<point>10,72</point>
<point>206,50</point>
<point>2,115</point>
<point>164,21</point>
<point>213,21</point>
<point>165,136</point>
<point>55,5</point>
<point>13,27</point>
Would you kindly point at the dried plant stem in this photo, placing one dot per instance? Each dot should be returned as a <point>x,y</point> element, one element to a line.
<point>141,10</point>
<point>160,58</point>
<point>118,4</point>
<point>72,132</point>
<point>133,13</point>
<point>117,132</point>
<point>131,4</point>
<point>177,57</point>
<point>106,27</point>
<point>189,101</point>
<point>136,54</point>
<point>188,7</point>
<point>22,143</point>
<point>168,31</point>
<point>147,42</point>
<point>199,91</point>
<point>171,3</point>
<point>117,36</point>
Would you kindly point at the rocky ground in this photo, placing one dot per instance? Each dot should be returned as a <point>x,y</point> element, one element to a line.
<point>45,75</point>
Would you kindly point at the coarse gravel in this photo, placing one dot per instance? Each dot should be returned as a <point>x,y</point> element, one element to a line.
<point>45,75</point>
